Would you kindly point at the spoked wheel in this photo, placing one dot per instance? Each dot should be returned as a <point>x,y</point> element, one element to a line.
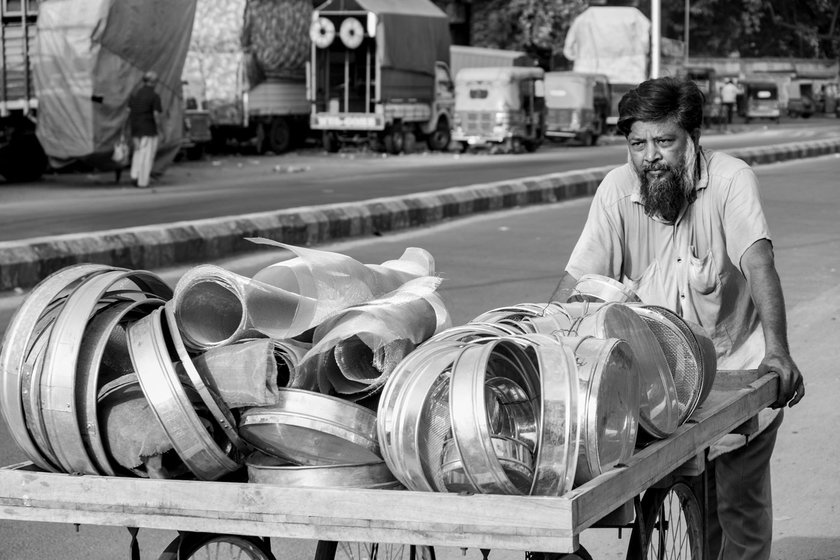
<point>673,526</point>
<point>332,550</point>
<point>201,546</point>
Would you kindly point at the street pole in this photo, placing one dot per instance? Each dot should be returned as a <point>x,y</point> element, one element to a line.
<point>687,34</point>
<point>655,39</point>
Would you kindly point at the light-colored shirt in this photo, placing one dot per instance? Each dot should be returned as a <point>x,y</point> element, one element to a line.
<point>692,266</point>
<point>729,93</point>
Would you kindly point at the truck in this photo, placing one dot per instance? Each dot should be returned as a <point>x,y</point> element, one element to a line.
<point>379,74</point>
<point>462,56</point>
<point>21,155</point>
<point>246,67</point>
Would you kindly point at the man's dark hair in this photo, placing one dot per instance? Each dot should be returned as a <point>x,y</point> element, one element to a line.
<point>662,99</point>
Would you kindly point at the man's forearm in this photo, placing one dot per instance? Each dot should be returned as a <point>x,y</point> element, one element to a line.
<point>766,290</point>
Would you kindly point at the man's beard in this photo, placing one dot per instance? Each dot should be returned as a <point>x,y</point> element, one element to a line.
<point>666,195</point>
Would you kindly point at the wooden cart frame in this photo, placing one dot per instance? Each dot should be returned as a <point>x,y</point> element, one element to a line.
<point>396,516</point>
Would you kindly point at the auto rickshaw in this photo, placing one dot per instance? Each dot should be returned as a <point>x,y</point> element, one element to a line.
<point>500,107</point>
<point>760,100</point>
<point>801,99</point>
<point>578,105</point>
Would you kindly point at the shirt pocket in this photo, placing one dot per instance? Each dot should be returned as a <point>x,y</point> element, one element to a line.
<point>703,275</point>
<point>648,286</point>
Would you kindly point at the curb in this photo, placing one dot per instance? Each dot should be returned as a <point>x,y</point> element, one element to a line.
<point>23,263</point>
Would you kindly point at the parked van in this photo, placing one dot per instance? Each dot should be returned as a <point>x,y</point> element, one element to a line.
<point>578,105</point>
<point>502,106</point>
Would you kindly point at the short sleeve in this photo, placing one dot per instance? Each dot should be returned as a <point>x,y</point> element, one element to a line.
<point>743,216</point>
<point>598,250</point>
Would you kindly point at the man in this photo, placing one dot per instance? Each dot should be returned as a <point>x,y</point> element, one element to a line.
<point>728,96</point>
<point>144,117</point>
<point>684,228</point>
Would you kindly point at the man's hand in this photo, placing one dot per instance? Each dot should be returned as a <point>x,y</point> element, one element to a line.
<point>791,383</point>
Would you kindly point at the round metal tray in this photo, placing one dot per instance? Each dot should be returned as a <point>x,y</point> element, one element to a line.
<point>265,469</point>
<point>310,428</point>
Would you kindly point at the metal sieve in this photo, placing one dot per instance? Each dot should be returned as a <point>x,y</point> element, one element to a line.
<point>682,352</point>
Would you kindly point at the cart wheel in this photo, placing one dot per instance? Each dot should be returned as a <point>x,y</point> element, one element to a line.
<point>204,546</point>
<point>673,526</point>
<point>332,550</point>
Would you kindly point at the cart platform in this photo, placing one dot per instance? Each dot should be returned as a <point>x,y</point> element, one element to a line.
<point>399,516</point>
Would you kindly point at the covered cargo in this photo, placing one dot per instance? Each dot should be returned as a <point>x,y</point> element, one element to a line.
<point>248,57</point>
<point>90,56</point>
<point>611,40</point>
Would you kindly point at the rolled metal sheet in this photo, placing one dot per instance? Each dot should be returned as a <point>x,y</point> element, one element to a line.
<point>60,401</point>
<point>209,306</point>
<point>310,428</point>
<point>265,469</point>
<point>16,345</point>
<point>474,331</point>
<point>215,405</point>
<point>170,403</point>
<point>601,289</point>
<point>608,404</point>
<point>103,333</point>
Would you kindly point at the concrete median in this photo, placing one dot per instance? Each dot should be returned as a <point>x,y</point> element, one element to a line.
<point>23,263</point>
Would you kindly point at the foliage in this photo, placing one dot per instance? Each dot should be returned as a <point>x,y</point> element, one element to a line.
<point>751,28</point>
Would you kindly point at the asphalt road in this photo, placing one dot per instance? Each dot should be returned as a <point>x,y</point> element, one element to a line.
<point>234,185</point>
<point>516,256</point>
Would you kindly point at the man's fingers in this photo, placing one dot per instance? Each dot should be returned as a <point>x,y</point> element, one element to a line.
<point>798,393</point>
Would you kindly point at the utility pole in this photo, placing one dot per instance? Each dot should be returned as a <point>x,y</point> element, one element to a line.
<point>687,34</point>
<point>655,37</point>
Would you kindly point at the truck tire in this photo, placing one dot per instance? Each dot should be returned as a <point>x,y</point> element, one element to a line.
<point>23,159</point>
<point>279,135</point>
<point>440,137</point>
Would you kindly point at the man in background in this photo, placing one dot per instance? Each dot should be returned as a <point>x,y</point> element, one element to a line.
<point>144,117</point>
<point>728,96</point>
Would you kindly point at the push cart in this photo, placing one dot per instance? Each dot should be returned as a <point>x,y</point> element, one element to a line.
<point>237,519</point>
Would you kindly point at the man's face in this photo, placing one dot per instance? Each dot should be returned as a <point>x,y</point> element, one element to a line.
<point>663,155</point>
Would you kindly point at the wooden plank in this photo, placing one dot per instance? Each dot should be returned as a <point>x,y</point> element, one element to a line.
<point>478,521</point>
<point>722,411</point>
<point>511,522</point>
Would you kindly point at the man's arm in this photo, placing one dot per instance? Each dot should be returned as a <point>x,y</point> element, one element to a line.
<point>766,289</point>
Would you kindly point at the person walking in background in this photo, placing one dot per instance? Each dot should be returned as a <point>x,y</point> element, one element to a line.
<point>728,96</point>
<point>144,117</point>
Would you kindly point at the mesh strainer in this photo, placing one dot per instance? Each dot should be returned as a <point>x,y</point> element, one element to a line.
<point>681,351</point>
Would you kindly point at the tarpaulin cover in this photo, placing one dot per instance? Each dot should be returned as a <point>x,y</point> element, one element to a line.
<point>611,40</point>
<point>411,35</point>
<point>237,44</point>
<point>91,55</point>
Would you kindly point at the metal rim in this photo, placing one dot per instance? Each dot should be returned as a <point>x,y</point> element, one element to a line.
<point>59,400</point>
<point>214,403</point>
<point>170,403</point>
<point>98,331</point>
<point>16,345</point>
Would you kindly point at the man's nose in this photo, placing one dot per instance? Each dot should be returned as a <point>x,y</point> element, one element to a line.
<point>651,152</point>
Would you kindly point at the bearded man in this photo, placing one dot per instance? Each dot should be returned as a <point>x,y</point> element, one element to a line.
<point>684,227</point>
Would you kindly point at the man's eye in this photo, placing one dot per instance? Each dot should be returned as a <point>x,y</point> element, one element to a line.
<point>665,141</point>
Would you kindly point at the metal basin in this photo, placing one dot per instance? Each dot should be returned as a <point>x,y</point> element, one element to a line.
<point>310,428</point>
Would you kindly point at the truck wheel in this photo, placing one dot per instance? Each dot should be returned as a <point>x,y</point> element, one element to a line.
<point>279,136</point>
<point>395,141</point>
<point>23,159</point>
<point>439,139</point>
